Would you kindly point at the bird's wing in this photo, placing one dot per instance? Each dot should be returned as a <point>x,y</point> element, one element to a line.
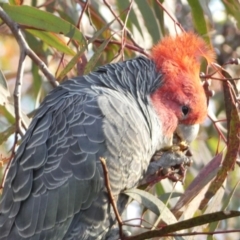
<point>54,173</point>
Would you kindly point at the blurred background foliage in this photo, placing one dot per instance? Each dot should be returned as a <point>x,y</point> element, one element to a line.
<point>74,37</point>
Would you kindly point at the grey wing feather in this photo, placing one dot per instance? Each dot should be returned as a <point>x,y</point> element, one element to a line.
<point>55,186</point>
<point>49,180</point>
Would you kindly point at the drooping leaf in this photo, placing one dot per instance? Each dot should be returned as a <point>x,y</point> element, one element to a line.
<point>204,177</point>
<point>166,196</point>
<point>199,20</point>
<point>53,40</point>
<point>232,149</point>
<point>65,16</point>
<point>34,18</point>
<point>233,8</point>
<point>206,9</point>
<point>132,18</point>
<point>75,59</point>
<point>150,20</point>
<point>159,16</point>
<point>92,62</point>
<point>16,2</point>
<point>37,86</point>
<point>152,203</point>
<point>6,134</point>
<point>36,45</point>
<point>213,226</point>
<point>7,110</point>
<point>4,92</point>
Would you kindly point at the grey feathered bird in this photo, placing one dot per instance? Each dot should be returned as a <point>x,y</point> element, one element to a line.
<point>123,112</point>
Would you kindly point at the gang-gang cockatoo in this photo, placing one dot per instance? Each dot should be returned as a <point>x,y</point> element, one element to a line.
<point>123,112</point>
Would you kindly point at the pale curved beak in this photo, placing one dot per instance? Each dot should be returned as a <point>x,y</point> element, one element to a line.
<point>187,133</point>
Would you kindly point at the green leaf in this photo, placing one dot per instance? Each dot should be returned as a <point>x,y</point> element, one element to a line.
<point>65,16</point>
<point>75,59</point>
<point>233,8</point>
<point>7,110</point>
<point>132,18</point>
<point>70,64</point>
<point>204,177</point>
<point>166,196</point>
<point>233,122</point>
<point>152,203</point>
<point>149,19</point>
<point>37,85</point>
<point>199,20</point>
<point>35,18</point>
<point>36,45</point>
<point>4,92</point>
<point>159,16</point>
<point>213,226</point>
<point>6,134</point>
<point>92,62</point>
<point>15,2</point>
<point>53,40</point>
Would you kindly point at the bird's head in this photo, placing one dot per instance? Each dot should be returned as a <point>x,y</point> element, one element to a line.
<point>181,101</point>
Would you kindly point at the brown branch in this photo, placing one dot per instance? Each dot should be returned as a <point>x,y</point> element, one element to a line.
<point>217,128</point>
<point>202,233</point>
<point>126,223</point>
<point>9,161</point>
<point>224,79</point>
<point>145,235</point>
<point>125,30</point>
<point>24,47</point>
<point>90,13</point>
<point>4,160</point>
<point>111,197</point>
<point>83,59</point>
<point>123,24</point>
<point>81,15</point>
<point>129,46</point>
<point>165,10</point>
<point>17,94</point>
<point>45,4</point>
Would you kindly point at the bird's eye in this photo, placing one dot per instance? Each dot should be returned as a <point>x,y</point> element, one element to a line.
<point>185,110</point>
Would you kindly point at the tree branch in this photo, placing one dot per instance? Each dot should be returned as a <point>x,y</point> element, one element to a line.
<point>111,197</point>
<point>24,47</point>
<point>17,94</point>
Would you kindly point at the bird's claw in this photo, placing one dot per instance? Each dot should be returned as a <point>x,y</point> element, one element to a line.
<point>170,162</point>
<point>177,172</point>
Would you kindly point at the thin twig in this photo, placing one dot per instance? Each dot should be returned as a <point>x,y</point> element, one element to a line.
<point>129,46</point>
<point>217,128</point>
<point>165,10</point>
<point>126,223</point>
<point>201,233</point>
<point>17,94</point>
<point>125,30</point>
<point>78,25</point>
<point>4,160</point>
<point>25,47</point>
<point>9,161</point>
<point>128,9</point>
<point>45,4</point>
<point>111,197</point>
<point>81,15</point>
<point>143,235</point>
<point>222,79</point>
